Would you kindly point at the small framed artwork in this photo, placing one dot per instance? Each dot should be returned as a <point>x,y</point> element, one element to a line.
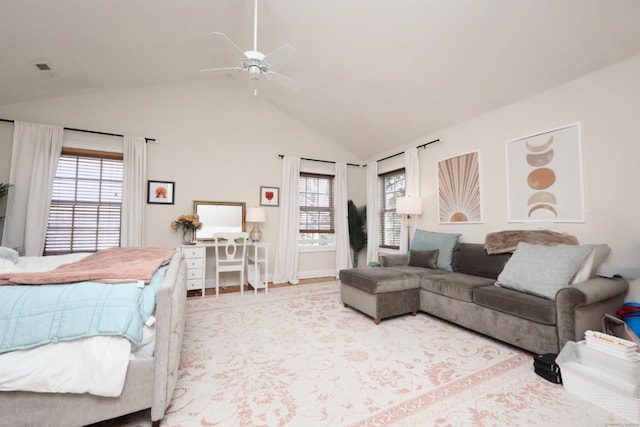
<point>269,196</point>
<point>161,192</point>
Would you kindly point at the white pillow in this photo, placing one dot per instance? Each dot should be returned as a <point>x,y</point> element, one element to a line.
<point>9,254</point>
<point>591,264</point>
<point>7,266</point>
<point>542,270</point>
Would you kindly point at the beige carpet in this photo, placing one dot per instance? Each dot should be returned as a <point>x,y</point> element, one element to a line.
<point>297,357</point>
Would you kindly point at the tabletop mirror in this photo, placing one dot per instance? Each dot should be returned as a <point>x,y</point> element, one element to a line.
<point>219,217</point>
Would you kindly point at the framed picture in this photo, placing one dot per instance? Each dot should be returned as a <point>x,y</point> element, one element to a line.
<point>459,189</point>
<point>269,196</point>
<point>545,177</point>
<point>160,192</point>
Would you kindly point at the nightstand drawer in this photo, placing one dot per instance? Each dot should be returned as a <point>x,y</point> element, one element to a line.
<point>194,273</point>
<point>194,284</point>
<point>196,252</point>
<point>195,263</point>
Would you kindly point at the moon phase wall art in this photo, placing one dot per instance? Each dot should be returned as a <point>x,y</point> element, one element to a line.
<point>545,178</point>
<point>459,189</point>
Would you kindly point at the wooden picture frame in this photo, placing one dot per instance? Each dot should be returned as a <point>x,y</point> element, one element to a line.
<point>161,192</point>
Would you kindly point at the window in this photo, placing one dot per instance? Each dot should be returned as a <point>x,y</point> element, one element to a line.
<point>86,202</point>
<point>390,186</point>
<point>316,215</point>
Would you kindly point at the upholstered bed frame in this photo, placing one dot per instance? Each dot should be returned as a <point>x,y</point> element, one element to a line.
<point>149,383</point>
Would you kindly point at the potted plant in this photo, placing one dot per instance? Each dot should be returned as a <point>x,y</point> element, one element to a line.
<point>357,217</point>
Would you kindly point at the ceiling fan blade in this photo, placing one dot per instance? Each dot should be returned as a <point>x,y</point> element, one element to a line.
<point>228,46</point>
<point>283,80</point>
<point>282,54</point>
<point>226,70</point>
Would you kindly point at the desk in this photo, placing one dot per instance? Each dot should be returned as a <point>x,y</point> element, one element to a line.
<point>257,265</point>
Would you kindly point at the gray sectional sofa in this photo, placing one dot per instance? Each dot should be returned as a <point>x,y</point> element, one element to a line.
<point>468,296</point>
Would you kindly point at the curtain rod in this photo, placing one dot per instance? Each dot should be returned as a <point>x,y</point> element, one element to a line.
<point>321,161</point>
<point>419,146</point>
<point>95,132</point>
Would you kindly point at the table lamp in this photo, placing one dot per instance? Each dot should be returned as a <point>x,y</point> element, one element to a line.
<point>256,215</point>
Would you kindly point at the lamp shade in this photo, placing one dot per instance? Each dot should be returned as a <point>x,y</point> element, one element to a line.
<point>256,215</point>
<point>409,205</point>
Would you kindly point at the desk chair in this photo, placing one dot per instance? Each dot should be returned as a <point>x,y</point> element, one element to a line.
<point>230,255</point>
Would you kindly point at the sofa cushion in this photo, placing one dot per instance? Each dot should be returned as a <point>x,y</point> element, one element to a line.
<point>526,306</point>
<point>379,280</point>
<point>472,258</point>
<point>444,242</point>
<point>454,285</point>
<point>542,270</point>
<point>419,271</point>
<point>424,259</point>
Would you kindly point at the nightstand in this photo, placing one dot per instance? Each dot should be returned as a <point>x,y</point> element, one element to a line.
<point>194,255</point>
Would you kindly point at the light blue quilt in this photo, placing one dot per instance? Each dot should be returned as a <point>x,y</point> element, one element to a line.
<point>34,315</point>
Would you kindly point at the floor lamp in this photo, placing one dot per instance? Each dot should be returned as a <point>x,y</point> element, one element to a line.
<point>408,206</point>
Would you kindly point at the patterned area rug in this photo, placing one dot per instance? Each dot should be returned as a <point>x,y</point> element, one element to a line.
<point>297,357</point>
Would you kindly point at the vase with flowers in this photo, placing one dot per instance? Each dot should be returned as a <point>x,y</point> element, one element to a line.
<point>188,224</point>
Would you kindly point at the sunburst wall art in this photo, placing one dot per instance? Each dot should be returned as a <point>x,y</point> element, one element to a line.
<point>459,189</point>
<point>544,177</point>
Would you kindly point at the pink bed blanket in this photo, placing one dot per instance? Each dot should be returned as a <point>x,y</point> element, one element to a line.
<point>114,265</point>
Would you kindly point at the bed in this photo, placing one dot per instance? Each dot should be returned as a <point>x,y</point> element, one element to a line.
<point>148,381</point>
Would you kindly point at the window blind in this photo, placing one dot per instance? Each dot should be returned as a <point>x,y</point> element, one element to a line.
<point>316,203</point>
<point>86,202</point>
<point>390,186</point>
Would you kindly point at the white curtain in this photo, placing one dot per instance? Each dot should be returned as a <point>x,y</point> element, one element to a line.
<point>36,151</point>
<point>343,252</point>
<point>285,268</point>
<point>133,191</point>
<point>372,212</point>
<point>412,173</point>
<point>412,189</point>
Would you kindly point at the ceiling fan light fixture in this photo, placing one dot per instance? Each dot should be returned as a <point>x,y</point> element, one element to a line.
<point>255,63</point>
<point>254,72</point>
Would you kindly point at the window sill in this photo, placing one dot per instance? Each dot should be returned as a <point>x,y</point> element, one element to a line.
<point>305,249</point>
<point>388,251</point>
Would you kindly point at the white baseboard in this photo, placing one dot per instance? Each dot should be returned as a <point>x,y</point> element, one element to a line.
<point>313,274</point>
<point>309,274</point>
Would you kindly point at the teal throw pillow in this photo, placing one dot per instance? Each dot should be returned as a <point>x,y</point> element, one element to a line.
<point>445,243</point>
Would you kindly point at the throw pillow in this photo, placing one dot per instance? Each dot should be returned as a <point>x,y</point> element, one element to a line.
<point>425,259</point>
<point>591,264</point>
<point>445,243</point>
<point>9,254</point>
<point>542,270</point>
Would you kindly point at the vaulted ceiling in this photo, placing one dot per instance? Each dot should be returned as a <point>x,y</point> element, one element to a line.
<point>376,73</point>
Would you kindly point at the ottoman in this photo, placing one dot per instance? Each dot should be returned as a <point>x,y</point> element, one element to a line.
<point>380,292</point>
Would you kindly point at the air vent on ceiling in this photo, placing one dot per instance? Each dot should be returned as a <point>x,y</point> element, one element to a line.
<point>42,66</point>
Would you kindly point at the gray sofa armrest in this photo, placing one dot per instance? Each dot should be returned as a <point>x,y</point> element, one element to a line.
<point>392,260</point>
<point>580,307</point>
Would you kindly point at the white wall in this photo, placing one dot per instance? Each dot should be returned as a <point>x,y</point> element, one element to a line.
<point>607,104</point>
<point>214,142</point>
<point>211,137</point>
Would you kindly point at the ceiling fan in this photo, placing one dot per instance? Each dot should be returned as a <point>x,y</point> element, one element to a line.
<point>255,63</point>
